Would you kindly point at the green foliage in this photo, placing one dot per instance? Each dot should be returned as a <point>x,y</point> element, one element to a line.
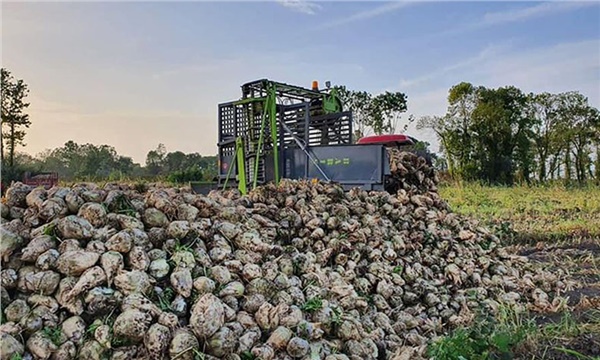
<point>122,205</point>
<point>165,298</point>
<point>54,334</point>
<point>502,136</point>
<point>247,355</point>
<point>13,118</point>
<point>489,337</point>
<point>179,167</point>
<point>529,213</point>
<point>380,113</point>
<point>193,173</point>
<point>89,162</point>
<point>312,304</point>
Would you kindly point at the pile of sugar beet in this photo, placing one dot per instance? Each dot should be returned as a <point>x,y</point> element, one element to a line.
<point>299,270</point>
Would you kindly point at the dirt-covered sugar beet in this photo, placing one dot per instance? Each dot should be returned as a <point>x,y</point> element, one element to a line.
<point>299,270</point>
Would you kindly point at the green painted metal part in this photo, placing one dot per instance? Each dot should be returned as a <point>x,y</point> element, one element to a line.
<point>235,154</point>
<point>273,115</point>
<point>330,104</point>
<point>249,100</point>
<point>260,141</point>
<point>238,157</point>
<point>269,114</point>
<point>239,153</point>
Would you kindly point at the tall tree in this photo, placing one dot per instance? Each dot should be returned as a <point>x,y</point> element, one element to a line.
<point>543,109</point>
<point>380,113</point>
<point>359,103</point>
<point>440,127</point>
<point>155,159</point>
<point>174,161</point>
<point>501,125</point>
<point>14,92</point>
<point>385,112</point>
<point>580,126</point>
<point>455,130</point>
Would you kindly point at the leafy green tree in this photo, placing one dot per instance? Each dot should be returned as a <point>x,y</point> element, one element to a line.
<point>487,133</point>
<point>462,101</point>
<point>454,130</point>
<point>155,159</point>
<point>14,119</point>
<point>87,161</point>
<point>441,128</point>
<point>359,103</point>
<point>579,126</point>
<point>385,112</point>
<point>174,161</point>
<point>380,113</point>
<point>543,109</point>
<point>501,126</point>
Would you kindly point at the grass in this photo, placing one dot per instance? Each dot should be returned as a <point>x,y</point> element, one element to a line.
<point>490,337</point>
<point>513,334</point>
<point>535,213</point>
<point>312,304</point>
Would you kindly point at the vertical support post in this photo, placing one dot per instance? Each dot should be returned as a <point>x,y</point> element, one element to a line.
<point>260,146</point>
<point>306,137</point>
<point>239,153</point>
<point>273,118</point>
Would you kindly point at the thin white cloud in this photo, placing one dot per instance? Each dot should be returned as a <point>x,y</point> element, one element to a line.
<point>489,52</point>
<point>489,19</point>
<point>543,9</point>
<point>367,14</point>
<point>515,15</point>
<point>303,6</point>
<point>573,66</point>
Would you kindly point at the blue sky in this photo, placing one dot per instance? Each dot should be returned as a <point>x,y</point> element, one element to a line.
<point>136,74</point>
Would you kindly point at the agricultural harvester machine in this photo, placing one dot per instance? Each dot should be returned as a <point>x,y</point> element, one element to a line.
<point>280,131</point>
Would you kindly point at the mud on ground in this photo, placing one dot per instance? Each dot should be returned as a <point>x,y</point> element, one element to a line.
<point>573,333</point>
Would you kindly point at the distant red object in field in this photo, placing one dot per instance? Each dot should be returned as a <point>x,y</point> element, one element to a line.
<point>45,179</point>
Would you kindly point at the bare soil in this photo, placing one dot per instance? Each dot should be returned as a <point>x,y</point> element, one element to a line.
<point>582,260</point>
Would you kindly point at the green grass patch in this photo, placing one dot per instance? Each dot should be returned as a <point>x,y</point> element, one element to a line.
<point>515,334</point>
<point>535,213</point>
<point>312,304</point>
<point>488,337</point>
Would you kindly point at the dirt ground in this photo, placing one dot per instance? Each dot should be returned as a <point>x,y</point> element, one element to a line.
<point>577,337</point>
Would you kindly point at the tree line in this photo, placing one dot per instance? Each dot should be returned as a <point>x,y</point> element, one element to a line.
<point>495,135</point>
<point>499,136</point>
<point>90,162</point>
<point>74,161</point>
<point>504,135</point>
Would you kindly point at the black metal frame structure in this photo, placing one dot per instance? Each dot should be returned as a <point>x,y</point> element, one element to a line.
<point>293,133</point>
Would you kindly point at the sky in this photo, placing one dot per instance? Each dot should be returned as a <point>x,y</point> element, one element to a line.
<point>136,74</point>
